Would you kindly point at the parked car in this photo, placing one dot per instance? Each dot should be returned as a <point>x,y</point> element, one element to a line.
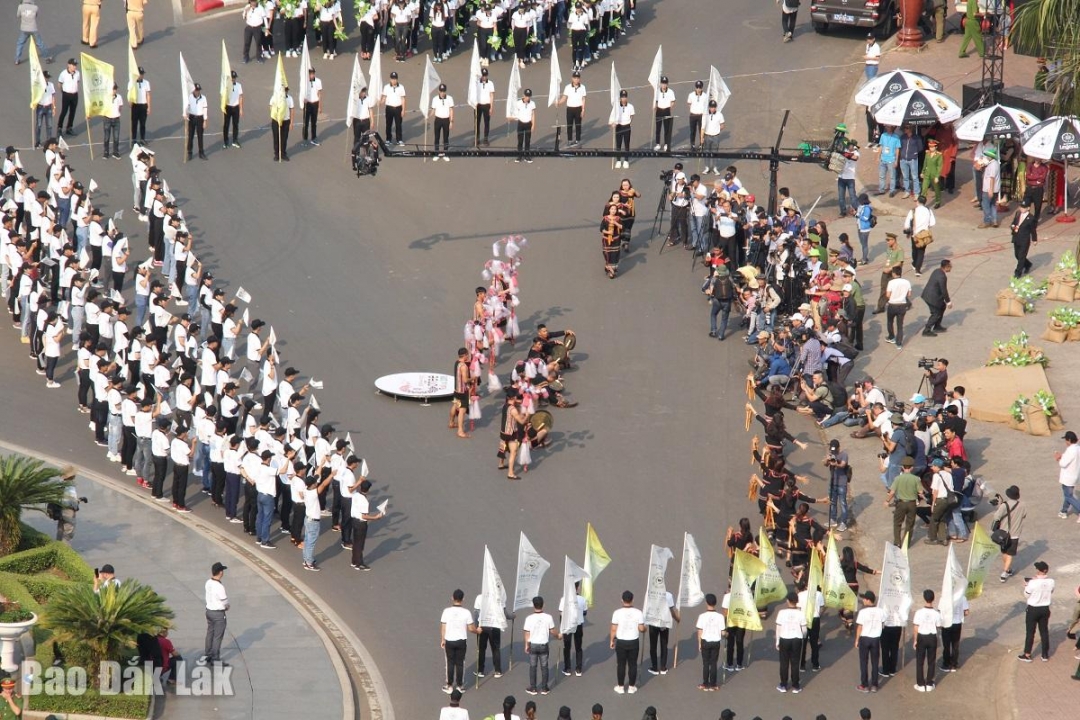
<point>879,16</point>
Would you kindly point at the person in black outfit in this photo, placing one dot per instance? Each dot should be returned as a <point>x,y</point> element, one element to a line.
<point>936,296</point>
<point>1024,235</point>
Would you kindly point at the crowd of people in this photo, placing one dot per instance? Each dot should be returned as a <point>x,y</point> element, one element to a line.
<point>173,376</point>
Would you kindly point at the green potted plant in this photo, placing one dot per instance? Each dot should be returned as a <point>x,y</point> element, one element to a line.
<point>14,623</point>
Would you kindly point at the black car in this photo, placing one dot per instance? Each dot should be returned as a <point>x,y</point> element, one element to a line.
<point>876,15</point>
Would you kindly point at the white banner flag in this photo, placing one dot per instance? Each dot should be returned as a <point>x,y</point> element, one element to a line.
<point>492,596</point>
<point>953,586</point>
<point>718,89</point>
<point>357,84</point>
<point>375,72</point>
<point>894,593</point>
<point>348,442</point>
<point>571,610</point>
<point>530,571</point>
<point>187,86</point>
<point>272,337</point>
<point>246,375</point>
<point>474,75</point>
<point>690,593</point>
<point>382,506</point>
<point>616,88</point>
<point>656,609</point>
<point>93,186</point>
<point>656,72</point>
<point>428,86</point>
<point>555,83</point>
<point>243,295</point>
<point>246,316</point>
<point>314,403</point>
<point>513,90</point>
<point>305,65</point>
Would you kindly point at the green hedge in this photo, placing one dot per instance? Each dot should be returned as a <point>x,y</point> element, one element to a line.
<point>91,703</point>
<point>32,538</point>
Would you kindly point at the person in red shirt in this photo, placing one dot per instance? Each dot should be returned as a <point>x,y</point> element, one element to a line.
<point>954,446</point>
<point>168,654</point>
<point>1035,179</point>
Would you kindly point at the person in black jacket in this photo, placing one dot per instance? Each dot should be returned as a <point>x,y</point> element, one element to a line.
<point>1023,237</point>
<point>936,296</point>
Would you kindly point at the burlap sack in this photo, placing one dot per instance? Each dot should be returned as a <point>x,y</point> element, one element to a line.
<point>1061,289</point>
<point>1008,305</point>
<point>1074,334</point>
<point>1036,422</point>
<point>1055,423</point>
<point>1055,332</point>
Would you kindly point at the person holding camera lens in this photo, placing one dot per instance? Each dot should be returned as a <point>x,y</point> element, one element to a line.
<point>679,196</point>
<point>1009,520</point>
<point>839,475</point>
<point>721,292</point>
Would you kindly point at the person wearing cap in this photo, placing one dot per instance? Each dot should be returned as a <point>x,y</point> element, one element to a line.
<point>662,105</point>
<point>1037,593</point>
<point>393,97</point>
<point>1009,516</point>
<point>1068,461</point>
<point>217,604</point>
<point>442,109</point>
<point>521,23</point>
<point>839,474</point>
<point>721,292</point>
<point>111,124</point>
<point>196,119</point>
<point>139,95</point>
<point>360,115</point>
<point>105,577</point>
<point>904,490</point>
<point>698,102</point>
<point>1024,235</point>
<point>871,56</point>
<point>894,260</point>
<point>254,16</point>
<point>310,99</point>
<point>711,126</point>
<point>10,699</point>
<point>679,197</point>
<point>990,185</point>
<point>279,132</point>
<point>233,111</point>
<point>181,450</point>
<point>622,119</point>
<point>44,110</point>
<point>574,97</point>
<point>135,10</point>
<point>942,502</point>
<point>69,95</point>
<point>524,111</point>
<point>578,24</point>
<point>933,171</point>
<point>869,624</point>
<point>485,93</point>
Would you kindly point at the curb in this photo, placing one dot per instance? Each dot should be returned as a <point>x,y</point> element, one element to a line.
<point>354,664</point>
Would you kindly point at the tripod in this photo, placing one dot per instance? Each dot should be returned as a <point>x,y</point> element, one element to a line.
<point>658,218</point>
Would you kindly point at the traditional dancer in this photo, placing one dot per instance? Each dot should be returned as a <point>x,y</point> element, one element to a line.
<point>611,239</point>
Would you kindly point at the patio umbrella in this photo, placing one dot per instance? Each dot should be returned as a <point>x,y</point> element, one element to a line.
<point>1056,138</point>
<point>997,121</point>
<point>892,83</point>
<point>915,107</point>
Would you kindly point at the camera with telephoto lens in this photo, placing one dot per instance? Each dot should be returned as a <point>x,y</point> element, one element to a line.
<point>927,363</point>
<point>666,176</point>
<point>996,500</point>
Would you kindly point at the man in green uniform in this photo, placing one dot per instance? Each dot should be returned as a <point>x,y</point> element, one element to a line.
<point>10,702</point>
<point>905,492</point>
<point>933,164</point>
<point>972,30</point>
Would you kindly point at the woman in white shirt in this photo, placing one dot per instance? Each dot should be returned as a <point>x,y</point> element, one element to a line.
<point>52,337</point>
<point>230,330</point>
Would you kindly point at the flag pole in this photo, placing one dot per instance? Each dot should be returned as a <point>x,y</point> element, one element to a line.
<point>187,137</point>
<point>613,131</point>
<point>426,121</point>
<point>280,143</point>
<point>89,138</point>
<point>513,623</point>
<point>478,659</point>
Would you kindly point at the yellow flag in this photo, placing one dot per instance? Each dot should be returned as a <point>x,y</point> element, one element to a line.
<point>813,582</point>
<point>742,608</point>
<point>983,552</point>
<point>226,77</point>
<point>37,77</point>
<point>133,77</point>
<point>279,108</point>
<point>97,85</point>
<point>838,593</point>
<point>596,559</point>
<point>770,586</point>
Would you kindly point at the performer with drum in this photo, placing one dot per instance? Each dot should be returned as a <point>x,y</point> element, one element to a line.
<point>511,433</point>
<point>627,193</point>
<point>611,228</point>
<point>463,388</point>
<point>554,347</point>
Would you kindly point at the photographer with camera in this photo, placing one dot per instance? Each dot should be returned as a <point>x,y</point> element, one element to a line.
<point>936,372</point>
<point>839,476</point>
<point>817,396</point>
<point>1008,523</point>
<point>942,502</point>
<point>721,292</point>
<point>679,196</point>
<point>65,511</point>
<point>699,214</point>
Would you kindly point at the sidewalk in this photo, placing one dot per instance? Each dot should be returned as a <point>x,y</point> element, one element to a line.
<point>268,637</point>
<point>982,262</point>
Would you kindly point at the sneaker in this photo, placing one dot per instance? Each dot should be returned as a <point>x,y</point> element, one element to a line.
<point>235,520</point>
<point>796,690</point>
<point>862,688</point>
<point>632,689</point>
<point>362,567</point>
<point>729,668</point>
<point>545,691</point>
<point>930,687</point>
<point>564,672</point>
<point>1063,515</point>
<point>52,384</point>
<point>130,472</point>
<point>577,673</point>
<point>497,675</point>
<point>267,546</point>
<point>816,668</point>
<point>619,689</point>
<point>654,671</point>
<point>161,499</point>
<point>873,688</point>
<point>1023,658</point>
<point>663,672</point>
<point>781,688</point>
<point>315,142</point>
<point>183,509</point>
<point>311,567</point>
<point>447,689</point>
<point>1044,658</point>
<point>530,691</point>
<point>656,147</point>
<point>842,527</point>
<point>920,688</point>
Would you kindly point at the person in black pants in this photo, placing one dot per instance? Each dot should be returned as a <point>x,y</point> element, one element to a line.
<point>182,451</point>
<point>312,97</point>
<point>576,636</point>
<point>680,210</point>
<point>627,624</point>
<point>1038,591</point>
<point>1024,235</point>
<point>659,636</point>
<point>710,626</point>
<point>790,631</point>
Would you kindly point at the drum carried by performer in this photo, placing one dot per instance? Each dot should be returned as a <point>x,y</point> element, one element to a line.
<point>611,229</point>
<point>627,194</point>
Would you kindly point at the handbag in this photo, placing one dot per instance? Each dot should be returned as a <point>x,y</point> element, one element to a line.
<point>1001,537</point>
<point>923,238</point>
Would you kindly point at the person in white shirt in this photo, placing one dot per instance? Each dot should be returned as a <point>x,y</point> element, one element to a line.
<point>140,107</point>
<point>712,124</point>
<point>917,226</point>
<point>442,109</point>
<point>360,114</point>
<point>44,110</point>
<point>1038,591</point>
<point>313,515</point>
<point>234,110</point>
<point>927,622</point>
<point>898,293</point>
<point>111,124</point>
<point>1068,473</point>
<point>575,636</point>
<point>279,131</point>
<point>524,112</point>
<point>254,27</point>
<point>950,636</point>
<point>789,13</point>
<point>393,96</point>
<point>196,120</point>
<point>710,630</point>
<point>69,96</point>
<point>574,97</point>
<point>52,337</point>
<point>121,251</point>
<point>790,631</point>
<point>872,56</point>
<point>813,629</point>
<point>665,101</point>
<point>621,119</point>
<point>454,711</point>
<point>627,624</point>
<point>310,99</point>
<point>539,628</point>
<point>455,625</point>
<point>180,451</point>
<point>658,635</point>
<point>485,92</point>
<point>217,604</point>
<point>698,101</point>
<point>868,626</point>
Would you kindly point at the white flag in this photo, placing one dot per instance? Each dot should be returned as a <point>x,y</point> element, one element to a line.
<point>316,384</point>
<point>571,610</point>
<point>62,143</point>
<point>187,85</point>
<point>428,86</point>
<point>690,593</point>
<point>616,88</point>
<point>656,610</point>
<point>894,593</point>
<point>93,186</point>
<point>375,72</point>
<point>246,375</point>
<point>314,403</point>
<point>382,506</point>
<point>657,72</point>
<point>718,89</point>
<point>243,295</point>
<point>474,75</point>
<point>953,587</point>
<point>348,441</point>
<point>555,83</point>
<point>305,64</point>
<point>357,84</point>
<point>118,215</point>
<point>364,468</point>
<point>513,91</point>
<point>272,337</point>
<point>246,316</point>
<point>530,571</point>
<point>492,596</point>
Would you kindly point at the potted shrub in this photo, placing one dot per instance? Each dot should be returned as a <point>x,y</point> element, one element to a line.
<point>14,623</point>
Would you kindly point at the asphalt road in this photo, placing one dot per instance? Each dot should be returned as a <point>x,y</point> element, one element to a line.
<point>365,277</point>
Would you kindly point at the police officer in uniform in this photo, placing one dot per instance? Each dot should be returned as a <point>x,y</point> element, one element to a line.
<point>280,133</point>
<point>484,96</point>
<point>234,110</point>
<point>665,100</point>
<point>140,107</point>
<point>196,117</point>
<point>574,95</point>
<point>442,108</point>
